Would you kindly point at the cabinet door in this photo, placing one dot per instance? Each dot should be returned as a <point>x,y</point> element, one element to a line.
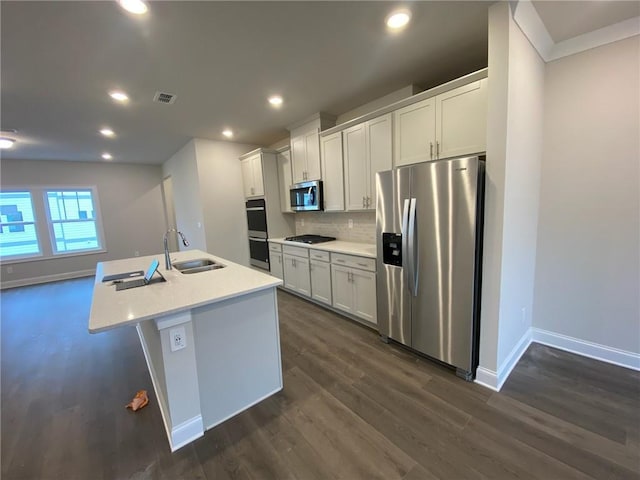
<point>312,148</point>
<point>461,124</point>
<point>304,278</point>
<point>320,281</point>
<point>332,172</point>
<point>276,266</point>
<point>290,273</point>
<point>284,179</point>
<point>341,288</point>
<point>247,176</point>
<point>364,294</point>
<point>298,158</point>
<point>415,130</point>
<point>355,167</point>
<point>379,153</point>
<point>258,182</point>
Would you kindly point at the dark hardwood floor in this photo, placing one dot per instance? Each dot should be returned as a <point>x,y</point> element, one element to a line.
<point>352,408</point>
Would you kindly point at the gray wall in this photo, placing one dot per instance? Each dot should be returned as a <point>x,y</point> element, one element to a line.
<point>208,197</point>
<point>131,206</point>
<point>221,193</point>
<point>183,169</point>
<point>588,265</point>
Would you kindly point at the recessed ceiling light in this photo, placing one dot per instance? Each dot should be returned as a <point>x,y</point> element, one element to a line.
<point>6,142</point>
<point>398,19</point>
<point>119,96</point>
<point>107,132</point>
<point>275,100</point>
<point>107,156</point>
<point>227,133</point>
<point>137,7</point>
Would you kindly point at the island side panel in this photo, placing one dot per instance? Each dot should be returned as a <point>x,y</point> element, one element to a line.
<point>238,354</point>
<point>152,348</point>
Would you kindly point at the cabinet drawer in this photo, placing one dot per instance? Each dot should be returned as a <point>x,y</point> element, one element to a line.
<point>319,255</point>
<point>297,251</point>
<point>275,247</point>
<point>354,262</point>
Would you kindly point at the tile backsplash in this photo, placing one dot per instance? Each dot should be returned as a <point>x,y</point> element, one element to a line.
<point>336,224</point>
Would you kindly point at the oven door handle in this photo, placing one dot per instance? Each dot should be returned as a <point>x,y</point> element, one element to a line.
<point>256,239</point>
<point>255,209</point>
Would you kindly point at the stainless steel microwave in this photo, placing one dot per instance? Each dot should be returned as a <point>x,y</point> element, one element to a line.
<point>306,196</point>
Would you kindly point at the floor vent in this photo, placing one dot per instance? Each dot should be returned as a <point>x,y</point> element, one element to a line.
<point>164,97</point>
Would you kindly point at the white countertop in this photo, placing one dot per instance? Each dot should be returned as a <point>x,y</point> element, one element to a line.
<point>111,309</point>
<point>338,246</point>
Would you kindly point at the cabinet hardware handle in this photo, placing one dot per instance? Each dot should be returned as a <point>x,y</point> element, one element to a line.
<point>339,260</point>
<point>363,201</point>
<point>431,149</point>
<point>362,264</point>
<point>437,149</point>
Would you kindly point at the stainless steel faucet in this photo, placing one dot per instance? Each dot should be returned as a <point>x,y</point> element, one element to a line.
<point>185,242</point>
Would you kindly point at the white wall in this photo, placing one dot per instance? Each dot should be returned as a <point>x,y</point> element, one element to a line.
<point>522,190</point>
<point>130,202</point>
<point>514,139</point>
<point>498,62</point>
<point>221,192</point>
<point>588,264</point>
<point>183,169</point>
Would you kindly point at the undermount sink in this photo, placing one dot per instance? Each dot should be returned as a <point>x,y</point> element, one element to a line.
<point>197,265</point>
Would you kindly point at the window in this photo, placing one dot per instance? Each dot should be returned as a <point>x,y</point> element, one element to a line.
<point>41,222</point>
<point>18,235</point>
<point>72,221</point>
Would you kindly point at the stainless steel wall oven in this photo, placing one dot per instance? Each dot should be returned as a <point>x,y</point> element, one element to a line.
<point>257,226</point>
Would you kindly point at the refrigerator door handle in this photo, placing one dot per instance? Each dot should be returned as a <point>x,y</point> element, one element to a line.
<point>405,241</point>
<point>412,251</point>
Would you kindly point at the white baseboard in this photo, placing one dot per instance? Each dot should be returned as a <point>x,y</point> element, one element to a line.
<point>186,432</point>
<point>585,348</point>
<point>46,279</point>
<point>487,378</point>
<point>494,380</point>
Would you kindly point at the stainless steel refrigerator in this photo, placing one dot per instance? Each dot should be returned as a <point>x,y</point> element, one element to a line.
<point>429,240</point>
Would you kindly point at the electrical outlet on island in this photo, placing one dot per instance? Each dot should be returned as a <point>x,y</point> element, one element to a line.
<point>177,337</point>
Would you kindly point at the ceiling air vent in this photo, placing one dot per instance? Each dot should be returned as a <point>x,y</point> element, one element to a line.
<point>164,97</point>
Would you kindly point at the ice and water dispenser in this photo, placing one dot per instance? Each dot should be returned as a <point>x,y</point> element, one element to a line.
<point>392,249</point>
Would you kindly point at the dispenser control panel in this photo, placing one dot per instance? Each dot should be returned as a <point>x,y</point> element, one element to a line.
<point>392,249</point>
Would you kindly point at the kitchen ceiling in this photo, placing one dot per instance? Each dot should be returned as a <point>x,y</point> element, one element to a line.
<point>222,60</point>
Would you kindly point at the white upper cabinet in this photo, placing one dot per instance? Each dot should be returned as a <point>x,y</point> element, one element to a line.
<point>355,166</point>
<point>285,179</point>
<point>461,123</point>
<point>305,153</point>
<point>447,125</point>
<point>252,176</point>
<point>367,150</point>
<point>305,147</point>
<point>332,172</point>
<point>415,133</point>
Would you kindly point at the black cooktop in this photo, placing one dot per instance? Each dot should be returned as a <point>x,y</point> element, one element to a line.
<point>309,239</point>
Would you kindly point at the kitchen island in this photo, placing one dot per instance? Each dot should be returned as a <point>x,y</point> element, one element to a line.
<point>211,339</point>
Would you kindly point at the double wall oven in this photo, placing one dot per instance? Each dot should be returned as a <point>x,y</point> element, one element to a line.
<point>257,226</point>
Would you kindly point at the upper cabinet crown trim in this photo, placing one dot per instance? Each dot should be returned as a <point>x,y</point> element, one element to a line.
<point>432,92</point>
<point>325,120</point>
<point>255,152</point>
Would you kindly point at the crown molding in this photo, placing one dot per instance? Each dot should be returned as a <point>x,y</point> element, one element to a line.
<point>526,17</point>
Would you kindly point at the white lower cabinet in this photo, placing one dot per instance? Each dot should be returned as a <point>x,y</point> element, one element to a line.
<point>354,292</point>
<point>320,281</point>
<point>275,263</point>
<point>296,274</point>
